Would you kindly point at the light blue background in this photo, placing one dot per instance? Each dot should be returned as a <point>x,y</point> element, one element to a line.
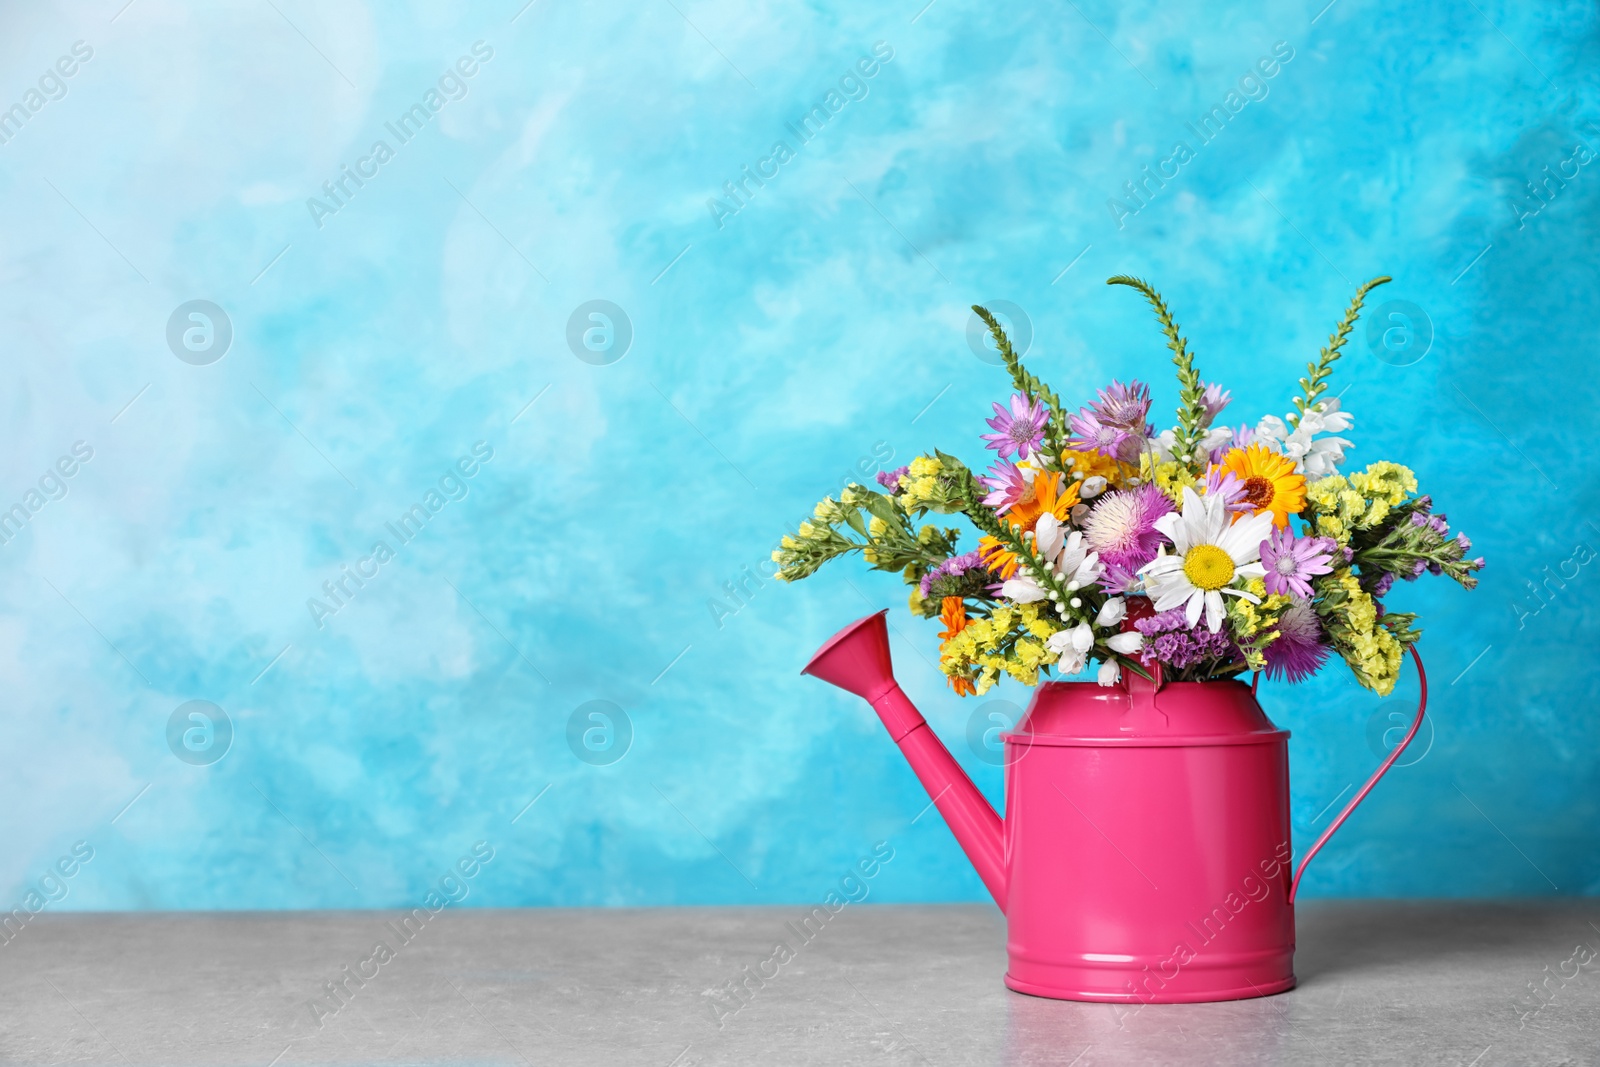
<point>826,316</point>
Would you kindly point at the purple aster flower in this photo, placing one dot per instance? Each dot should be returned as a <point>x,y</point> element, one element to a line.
<point>1089,433</point>
<point>890,480</point>
<point>950,568</point>
<point>1123,406</point>
<point>1122,526</point>
<point>1008,484</point>
<point>1292,562</point>
<point>1170,640</point>
<point>1213,400</point>
<point>1298,652</point>
<point>1220,481</point>
<point>1019,431</point>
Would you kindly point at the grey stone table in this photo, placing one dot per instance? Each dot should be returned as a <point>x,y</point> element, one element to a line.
<point>1413,983</point>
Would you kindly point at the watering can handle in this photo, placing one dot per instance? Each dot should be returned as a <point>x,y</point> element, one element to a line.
<point>1422,704</point>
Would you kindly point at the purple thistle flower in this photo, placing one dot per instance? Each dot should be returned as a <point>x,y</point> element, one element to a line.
<point>890,480</point>
<point>1089,433</point>
<point>1298,652</point>
<point>1213,400</point>
<point>950,568</point>
<point>1122,526</point>
<point>1123,406</point>
<point>1008,484</point>
<point>1220,481</point>
<point>1292,562</point>
<point>1019,431</point>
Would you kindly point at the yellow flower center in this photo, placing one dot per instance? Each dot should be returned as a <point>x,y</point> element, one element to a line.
<point>1208,567</point>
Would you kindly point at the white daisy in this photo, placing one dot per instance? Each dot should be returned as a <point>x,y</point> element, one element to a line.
<point>1209,556</point>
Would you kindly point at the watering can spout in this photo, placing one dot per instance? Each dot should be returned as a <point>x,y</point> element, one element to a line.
<point>856,659</point>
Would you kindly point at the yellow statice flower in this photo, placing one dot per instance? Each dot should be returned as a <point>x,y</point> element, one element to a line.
<point>1386,481</point>
<point>919,485</point>
<point>1170,477</point>
<point>1254,624</point>
<point>1009,642</point>
<point>1338,505</point>
<point>1372,652</point>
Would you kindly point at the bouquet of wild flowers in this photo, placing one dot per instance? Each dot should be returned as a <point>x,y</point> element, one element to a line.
<point>1204,548</point>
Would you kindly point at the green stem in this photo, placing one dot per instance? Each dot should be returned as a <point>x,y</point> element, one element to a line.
<point>1318,373</point>
<point>1028,384</point>
<point>1191,413</point>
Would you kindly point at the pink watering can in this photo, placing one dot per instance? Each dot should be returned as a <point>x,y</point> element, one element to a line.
<point>1145,852</point>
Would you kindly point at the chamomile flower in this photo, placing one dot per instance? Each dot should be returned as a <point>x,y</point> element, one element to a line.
<point>1210,557</point>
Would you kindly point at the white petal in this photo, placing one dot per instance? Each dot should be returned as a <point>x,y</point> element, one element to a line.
<point>1272,428</point>
<point>1023,589</point>
<point>1092,487</point>
<point>1047,535</point>
<point>1082,637</point>
<point>1109,674</point>
<point>1112,612</point>
<point>1126,643</point>
<point>1191,610</point>
<point>1243,594</point>
<point>1242,540</point>
<point>1167,526</point>
<point>1214,611</point>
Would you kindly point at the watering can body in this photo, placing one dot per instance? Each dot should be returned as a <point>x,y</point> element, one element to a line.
<point>1147,844</point>
<point>1145,853</point>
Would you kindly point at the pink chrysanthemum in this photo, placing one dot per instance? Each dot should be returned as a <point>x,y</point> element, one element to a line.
<point>1123,406</point>
<point>1122,526</point>
<point>1090,434</point>
<point>1007,483</point>
<point>1220,481</point>
<point>1298,652</point>
<point>1243,437</point>
<point>1119,580</point>
<point>1292,562</point>
<point>1213,400</point>
<point>1019,431</point>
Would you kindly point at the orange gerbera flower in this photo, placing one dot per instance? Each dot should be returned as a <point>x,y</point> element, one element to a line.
<point>1044,496</point>
<point>1270,483</point>
<point>953,613</point>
